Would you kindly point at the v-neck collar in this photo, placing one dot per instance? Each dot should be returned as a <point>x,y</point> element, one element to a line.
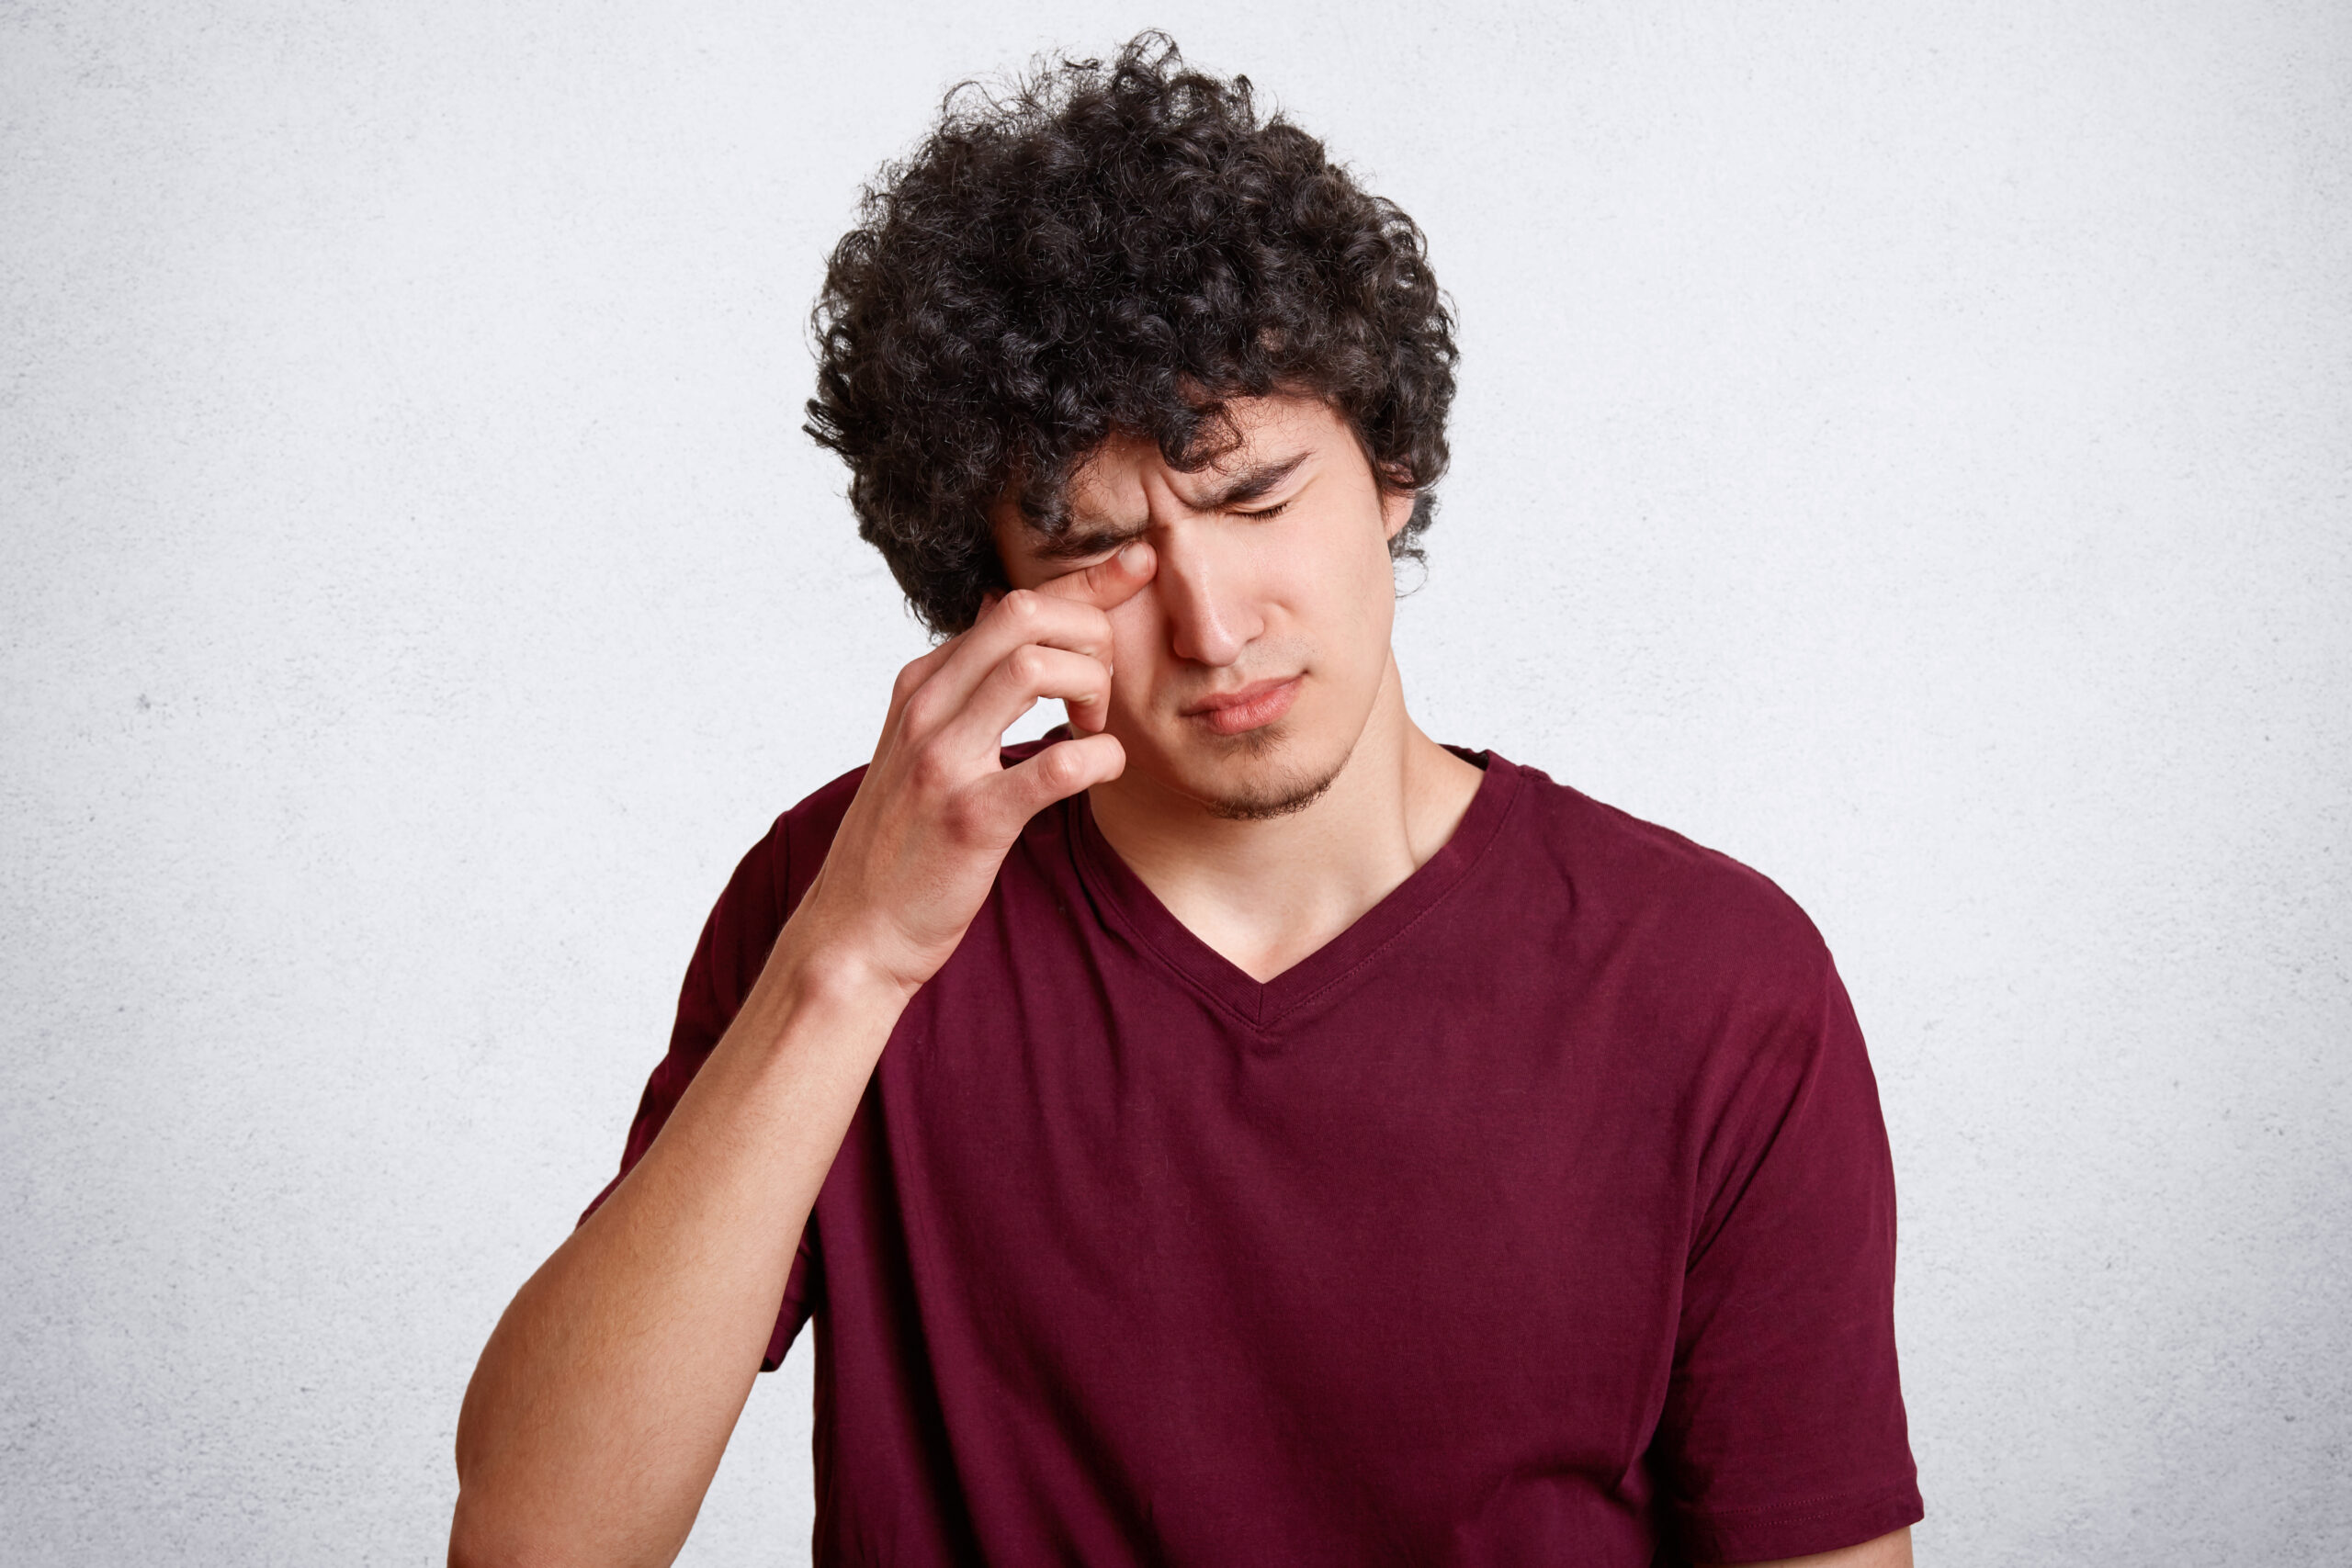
<point>1126,903</point>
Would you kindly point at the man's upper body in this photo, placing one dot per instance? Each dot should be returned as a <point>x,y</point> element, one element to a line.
<point>1540,1216</point>
<point>1243,1131</point>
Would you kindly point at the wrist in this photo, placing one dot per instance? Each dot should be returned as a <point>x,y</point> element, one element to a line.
<point>822,1009</point>
<point>837,974</point>
<point>818,972</point>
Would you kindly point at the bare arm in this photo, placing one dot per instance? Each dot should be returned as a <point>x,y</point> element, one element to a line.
<point>608,1391</point>
<point>605,1397</point>
<point>1887,1551</point>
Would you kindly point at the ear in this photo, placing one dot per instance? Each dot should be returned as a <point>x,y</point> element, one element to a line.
<point>1396,506</point>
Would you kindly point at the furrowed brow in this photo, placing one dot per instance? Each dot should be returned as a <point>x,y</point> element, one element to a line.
<point>1251,483</point>
<point>1080,540</point>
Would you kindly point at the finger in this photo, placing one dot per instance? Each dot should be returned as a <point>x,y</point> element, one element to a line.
<point>910,678</point>
<point>1024,615</point>
<point>1058,772</point>
<point>1028,673</point>
<point>1108,584</point>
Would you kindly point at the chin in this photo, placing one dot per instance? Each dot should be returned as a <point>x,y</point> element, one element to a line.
<point>1261,776</point>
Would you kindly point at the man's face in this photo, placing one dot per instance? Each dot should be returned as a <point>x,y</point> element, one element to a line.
<point>1245,671</point>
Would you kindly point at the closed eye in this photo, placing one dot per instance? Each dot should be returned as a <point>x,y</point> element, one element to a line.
<point>1275,511</point>
<point>1073,552</point>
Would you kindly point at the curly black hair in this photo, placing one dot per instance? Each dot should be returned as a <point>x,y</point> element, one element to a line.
<point>1106,248</point>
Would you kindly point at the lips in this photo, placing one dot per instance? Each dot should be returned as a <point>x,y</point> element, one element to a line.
<point>1247,707</point>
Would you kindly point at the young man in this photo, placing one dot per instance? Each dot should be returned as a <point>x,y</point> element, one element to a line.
<point>1241,1130</point>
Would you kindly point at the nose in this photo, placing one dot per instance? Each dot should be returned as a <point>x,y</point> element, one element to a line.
<point>1206,597</point>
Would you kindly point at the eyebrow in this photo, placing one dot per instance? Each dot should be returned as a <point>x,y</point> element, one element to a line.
<point>1246,486</point>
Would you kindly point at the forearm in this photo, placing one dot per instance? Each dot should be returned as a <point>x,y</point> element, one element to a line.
<point>608,1391</point>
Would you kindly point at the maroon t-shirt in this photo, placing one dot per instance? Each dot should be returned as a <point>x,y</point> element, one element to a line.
<point>1544,1215</point>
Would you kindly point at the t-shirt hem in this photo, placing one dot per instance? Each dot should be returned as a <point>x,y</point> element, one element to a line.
<point>1763,1534</point>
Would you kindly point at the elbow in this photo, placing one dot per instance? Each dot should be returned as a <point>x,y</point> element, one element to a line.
<point>479,1538</point>
<point>506,1527</point>
<point>474,1544</point>
<point>485,1531</point>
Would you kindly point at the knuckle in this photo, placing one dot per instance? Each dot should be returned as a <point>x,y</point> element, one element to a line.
<point>965,818</point>
<point>1022,607</point>
<point>1028,664</point>
<point>931,771</point>
<point>921,711</point>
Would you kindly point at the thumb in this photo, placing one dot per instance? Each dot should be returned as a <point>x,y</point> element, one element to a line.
<point>1055,774</point>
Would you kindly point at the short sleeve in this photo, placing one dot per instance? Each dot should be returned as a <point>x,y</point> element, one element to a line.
<point>1783,1430</point>
<point>735,942</point>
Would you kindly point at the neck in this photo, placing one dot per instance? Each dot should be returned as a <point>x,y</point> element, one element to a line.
<point>1266,894</point>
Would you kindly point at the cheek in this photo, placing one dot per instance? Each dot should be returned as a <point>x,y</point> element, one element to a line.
<point>1134,641</point>
<point>1379,596</point>
<point>1352,602</point>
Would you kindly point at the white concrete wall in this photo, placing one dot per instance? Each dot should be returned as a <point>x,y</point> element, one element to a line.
<point>1912,454</point>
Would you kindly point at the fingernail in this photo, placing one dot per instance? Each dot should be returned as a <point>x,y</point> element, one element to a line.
<point>1131,556</point>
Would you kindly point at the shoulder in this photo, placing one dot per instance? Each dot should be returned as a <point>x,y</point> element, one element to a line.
<point>1656,901</point>
<point>1721,986</point>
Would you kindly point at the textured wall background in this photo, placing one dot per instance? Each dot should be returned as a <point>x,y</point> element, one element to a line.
<point>1913,454</point>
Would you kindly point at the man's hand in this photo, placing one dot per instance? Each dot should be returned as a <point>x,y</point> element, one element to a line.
<point>919,845</point>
